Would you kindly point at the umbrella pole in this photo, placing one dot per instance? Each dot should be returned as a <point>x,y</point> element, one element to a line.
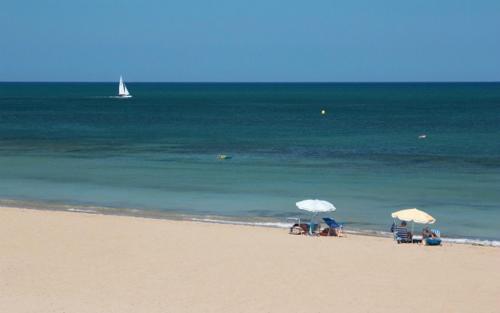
<point>412,231</point>
<point>311,224</point>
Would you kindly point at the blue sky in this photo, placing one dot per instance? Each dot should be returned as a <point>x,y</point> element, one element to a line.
<point>259,40</point>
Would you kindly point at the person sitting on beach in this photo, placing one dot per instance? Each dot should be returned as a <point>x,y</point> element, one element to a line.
<point>299,229</point>
<point>427,233</point>
<point>331,232</point>
<point>402,232</point>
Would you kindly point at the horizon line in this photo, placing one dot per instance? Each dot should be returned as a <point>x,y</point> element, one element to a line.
<point>260,82</point>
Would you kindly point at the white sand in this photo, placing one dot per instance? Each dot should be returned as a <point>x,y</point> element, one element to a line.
<point>73,262</point>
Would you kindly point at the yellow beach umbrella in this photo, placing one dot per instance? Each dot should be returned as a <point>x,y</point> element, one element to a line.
<point>414,215</point>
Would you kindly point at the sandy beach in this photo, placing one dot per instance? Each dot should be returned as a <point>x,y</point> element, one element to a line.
<point>54,261</point>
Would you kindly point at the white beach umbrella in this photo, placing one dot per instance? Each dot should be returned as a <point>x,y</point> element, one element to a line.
<point>315,206</point>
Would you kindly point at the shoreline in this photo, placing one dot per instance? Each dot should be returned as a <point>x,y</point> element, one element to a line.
<point>211,219</point>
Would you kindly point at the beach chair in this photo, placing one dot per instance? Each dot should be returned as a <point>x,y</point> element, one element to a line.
<point>332,224</point>
<point>401,235</point>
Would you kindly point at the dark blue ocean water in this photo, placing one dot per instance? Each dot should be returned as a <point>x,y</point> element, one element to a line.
<point>73,143</point>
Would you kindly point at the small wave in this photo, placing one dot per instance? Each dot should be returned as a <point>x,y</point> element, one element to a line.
<point>265,224</point>
<point>81,210</point>
<point>474,242</point>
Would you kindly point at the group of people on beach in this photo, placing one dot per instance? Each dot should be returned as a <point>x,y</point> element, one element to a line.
<point>402,232</point>
<point>314,229</point>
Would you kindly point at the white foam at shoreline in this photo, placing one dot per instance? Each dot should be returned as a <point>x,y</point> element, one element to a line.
<point>476,242</point>
<point>81,210</point>
<point>265,224</point>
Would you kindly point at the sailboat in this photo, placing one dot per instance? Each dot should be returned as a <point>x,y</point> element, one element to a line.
<point>122,90</point>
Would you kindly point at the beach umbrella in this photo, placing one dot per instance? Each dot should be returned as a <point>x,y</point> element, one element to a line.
<point>414,215</point>
<point>315,206</point>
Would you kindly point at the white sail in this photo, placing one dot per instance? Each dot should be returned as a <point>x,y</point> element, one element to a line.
<point>122,89</point>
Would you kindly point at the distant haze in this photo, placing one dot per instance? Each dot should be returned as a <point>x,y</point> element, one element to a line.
<point>260,40</point>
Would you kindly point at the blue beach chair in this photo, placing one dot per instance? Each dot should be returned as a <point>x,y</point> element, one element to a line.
<point>332,224</point>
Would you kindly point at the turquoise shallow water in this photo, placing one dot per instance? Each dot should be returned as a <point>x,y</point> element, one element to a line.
<point>71,143</point>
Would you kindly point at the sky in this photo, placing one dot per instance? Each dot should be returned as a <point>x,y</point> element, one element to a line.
<point>250,41</point>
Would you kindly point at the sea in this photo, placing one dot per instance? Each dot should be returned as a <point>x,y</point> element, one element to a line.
<point>77,147</point>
